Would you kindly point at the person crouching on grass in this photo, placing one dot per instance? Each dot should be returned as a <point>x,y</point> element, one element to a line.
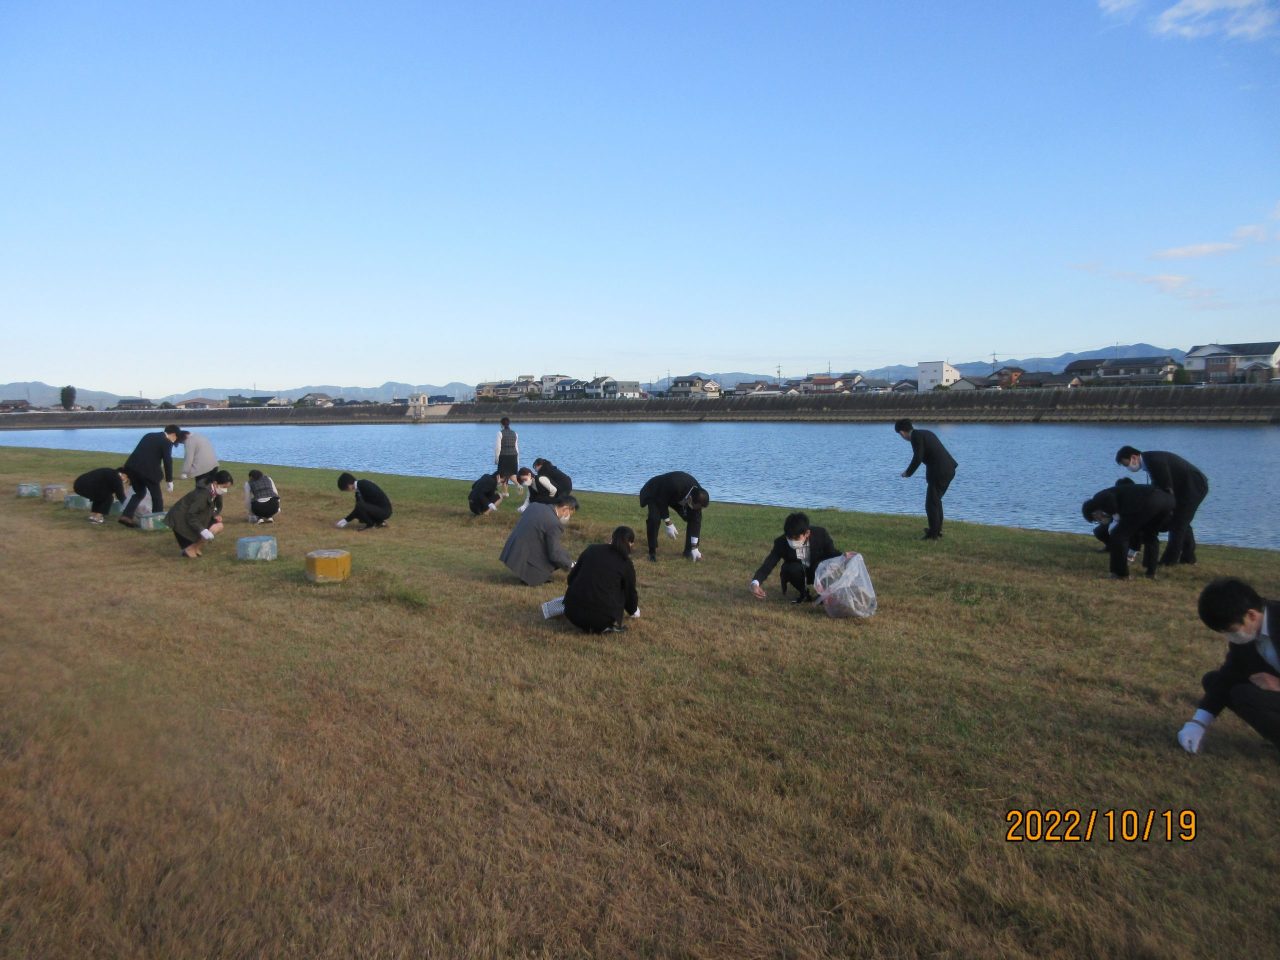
<point>100,487</point>
<point>602,585</point>
<point>1248,682</point>
<point>373,507</point>
<point>194,519</point>
<point>800,548</point>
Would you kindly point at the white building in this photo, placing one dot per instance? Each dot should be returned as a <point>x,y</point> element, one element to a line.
<point>935,373</point>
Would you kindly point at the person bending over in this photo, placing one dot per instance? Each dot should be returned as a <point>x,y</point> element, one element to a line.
<point>1141,512</point>
<point>373,507</point>
<point>800,549</point>
<point>533,551</point>
<point>602,585</point>
<point>152,456</point>
<point>261,498</point>
<point>939,471</point>
<point>194,519</point>
<point>484,495</point>
<point>100,487</point>
<point>1185,482</point>
<point>1248,682</point>
<point>679,493</point>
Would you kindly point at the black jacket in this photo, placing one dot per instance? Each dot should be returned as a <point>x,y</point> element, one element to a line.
<point>666,491</point>
<point>821,548</point>
<point>559,479</point>
<point>1243,661</point>
<point>926,448</point>
<point>602,586</point>
<point>372,494</point>
<point>101,484</point>
<point>153,452</point>
<point>482,492</point>
<point>1144,511</point>
<point>1172,473</point>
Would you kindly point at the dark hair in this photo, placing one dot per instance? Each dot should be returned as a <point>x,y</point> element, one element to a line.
<point>902,425</point>
<point>1125,454</point>
<point>505,421</point>
<point>223,476</point>
<point>1104,500</point>
<point>795,525</point>
<point>182,436</point>
<point>345,480</point>
<point>255,474</point>
<point>699,498</point>
<point>1225,601</point>
<point>622,539</point>
<point>1125,482</point>
<point>172,428</point>
<point>523,472</point>
<point>566,500</point>
<point>540,462</point>
<point>122,469</point>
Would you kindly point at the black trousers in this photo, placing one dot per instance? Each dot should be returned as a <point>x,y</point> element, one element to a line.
<point>1181,547</point>
<point>936,487</point>
<point>264,509</point>
<point>1258,708</point>
<point>100,503</point>
<point>583,620</point>
<point>141,486</point>
<point>692,519</point>
<point>795,574</point>
<point>370,514</point>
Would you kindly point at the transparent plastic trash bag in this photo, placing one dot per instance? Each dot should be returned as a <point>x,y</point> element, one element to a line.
<point>844,587</point>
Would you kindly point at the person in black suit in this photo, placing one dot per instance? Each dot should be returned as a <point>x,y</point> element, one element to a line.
<point>484,495</point>
<point>152,455</point>
<point>800,548</point>
<point>1189,487</point>
<point>602,585</point>
<point>1248,682</point>
<point>1143,511</point>
<point>100,487</point>
<point>372,508</point>
<point>679,492</point>
<point>939,471</point>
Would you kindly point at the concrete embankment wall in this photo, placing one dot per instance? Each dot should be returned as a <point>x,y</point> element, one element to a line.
<point>1258,404</point>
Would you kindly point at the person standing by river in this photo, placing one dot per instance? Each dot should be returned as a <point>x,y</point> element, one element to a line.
<point>152,455</point>
<point>939,471</point>
<point>1189,487</point>
<point>506,453</point>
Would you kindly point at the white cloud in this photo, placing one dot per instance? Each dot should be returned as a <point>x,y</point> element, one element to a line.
<point>1252,232</point>
<point>1196,250</point>
<point>1240,19</point>
<point>1116,7</point>
<point>1167,282</point>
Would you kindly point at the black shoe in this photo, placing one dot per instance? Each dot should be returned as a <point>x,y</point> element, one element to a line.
<point>653,558</point>
<point>616,628</point>
<point>803,598</point>
<point>932,536</point>
<point>127,521</point>
<point>363,527</point>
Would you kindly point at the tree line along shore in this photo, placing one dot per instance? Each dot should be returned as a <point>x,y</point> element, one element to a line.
<point>1238,404</point>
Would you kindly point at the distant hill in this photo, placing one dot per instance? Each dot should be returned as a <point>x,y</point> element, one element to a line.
<point>388,391</point>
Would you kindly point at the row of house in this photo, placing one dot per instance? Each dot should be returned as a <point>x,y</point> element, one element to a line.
<point>557,386</point>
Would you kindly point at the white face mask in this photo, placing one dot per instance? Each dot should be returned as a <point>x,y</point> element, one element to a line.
<point>1135,466</point>
<point>795,544</point>
<point>527,483</point>
<point>564,521</point>
<point>1239,636</point>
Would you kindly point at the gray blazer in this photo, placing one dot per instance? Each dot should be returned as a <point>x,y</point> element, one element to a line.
<point>200,456</point>
<point>533,551</point>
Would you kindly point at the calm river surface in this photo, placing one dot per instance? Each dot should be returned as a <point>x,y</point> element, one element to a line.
<point>1019,475</point>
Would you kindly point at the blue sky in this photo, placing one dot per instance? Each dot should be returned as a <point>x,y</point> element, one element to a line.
<point>282,193</point>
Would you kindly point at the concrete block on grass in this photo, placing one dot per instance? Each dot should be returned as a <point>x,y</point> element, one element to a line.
<point>55,492</point>
<point>29,490</point>
<point>73,501</point>
<point>256,548</point>
<point>328,566</point>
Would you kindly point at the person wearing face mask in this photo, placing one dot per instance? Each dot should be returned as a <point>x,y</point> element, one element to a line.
<point>674,492</point>
<point>1140,512</point>
<point>800,549</point>
<point>536,489</point>
<point>602,585</point>
<point>1185,482</point>
<point>533,551</point>
<point>1248,682</point>
<point>484,495</point>
<point>194,519</point>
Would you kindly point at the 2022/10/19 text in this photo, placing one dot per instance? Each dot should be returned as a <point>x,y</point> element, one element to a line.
<point>1079,826</point>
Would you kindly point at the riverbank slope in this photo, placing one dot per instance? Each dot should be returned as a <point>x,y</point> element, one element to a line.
<point>215,758</point>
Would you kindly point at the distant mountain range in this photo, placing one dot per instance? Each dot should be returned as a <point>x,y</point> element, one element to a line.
<point>42,395</point>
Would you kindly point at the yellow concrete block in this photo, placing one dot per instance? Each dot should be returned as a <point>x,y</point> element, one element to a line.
<point>328,566</point>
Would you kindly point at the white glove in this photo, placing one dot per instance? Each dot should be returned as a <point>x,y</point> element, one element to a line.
<point>493,507</point>
<point>636,614</point>
<point>672,532</point>
<point>206,535</point>
<point>184,476</point>
<point>1190,735</point>
<point>171,486</point>
<point>523,507</point>
<point>341,523</point>
<point>695,554</point>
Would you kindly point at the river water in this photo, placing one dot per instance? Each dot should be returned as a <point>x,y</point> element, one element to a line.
<point>1018,475</point>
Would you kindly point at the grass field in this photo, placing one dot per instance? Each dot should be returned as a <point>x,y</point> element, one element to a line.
<point>219,759</point>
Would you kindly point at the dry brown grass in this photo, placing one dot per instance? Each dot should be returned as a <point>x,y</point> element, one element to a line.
<point>219,759</point>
